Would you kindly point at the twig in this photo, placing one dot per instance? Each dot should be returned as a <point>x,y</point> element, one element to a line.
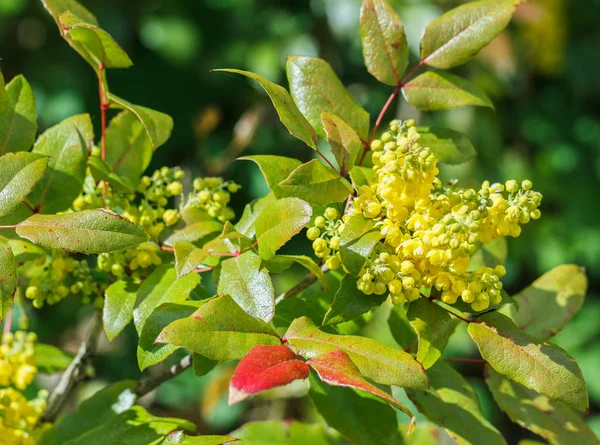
<point>307,281</point>
<point>149,385</point>
<point>75,373</point>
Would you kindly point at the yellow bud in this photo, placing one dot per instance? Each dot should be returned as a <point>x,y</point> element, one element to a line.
<point>395,287</point>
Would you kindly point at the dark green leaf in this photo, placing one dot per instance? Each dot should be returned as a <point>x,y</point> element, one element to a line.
<point>359,238</point>
<point>50,359</point>
<point>400,328</point>
<point>344,141</point>
<point>19,172</point>
<point>385,48</point>
<point>442,91</point>
<point>459,34</point>
<point>119,301</point>
<point>203,365</point>
<point>448,146</point>
<point>8,277</point>
<point>284,262</point>
<point>17,115</point>
<point>491,254</point>
<point>101,171</point>
<point>276,432</point>
<point>274,168</point>
<point>350,303</point>
<point>187,257</point>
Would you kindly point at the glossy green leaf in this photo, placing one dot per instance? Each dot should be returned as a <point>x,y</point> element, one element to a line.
<point>459,34</point>
<point>244,279</point>
<point>350,303</point>
<point>203,365</point>
<point>453,404</point>
<point>57,7</point>
<point>433,91</point>
<point>162,286</point>
<point>275,169</point>
<point>359,238</point>
<point>219,330</point>
<point>315,88</point>
<point>491,254</point>
<point>89,231</point>
<point>360,417</point>
<point>545,307</point>
<point>19,172</point>
<point>344,141</point>
<point>67,145</point>
<point>448,146</point>
<point>101,171</point>
<point>385,48</point>
<point>194,232</point>
<point>187,257</point>
<point>150,353</point>
<point>362,176</point>
<point>17,115</point>
<point>315,183</point>
<point>8,277</point>
<point>540,366</point>
<point>247,223</point>
<point>278,223</point>
<point>376,361</point>
<point>284,262</point>
<point>433,326</point>
<point>49,359</point>
<point>277,432</point>
<point>119,301</point>
<point>158,125</point>
<point>550,419</point>
<point>288,112</point>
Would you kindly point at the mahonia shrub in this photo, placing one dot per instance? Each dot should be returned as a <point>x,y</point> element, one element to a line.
<point>393,244</point>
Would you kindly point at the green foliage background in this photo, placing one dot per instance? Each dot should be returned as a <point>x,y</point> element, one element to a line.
<point>541,74</point>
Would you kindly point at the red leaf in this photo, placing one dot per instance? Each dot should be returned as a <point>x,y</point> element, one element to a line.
<point>265,367</point>
<point>337,369</point>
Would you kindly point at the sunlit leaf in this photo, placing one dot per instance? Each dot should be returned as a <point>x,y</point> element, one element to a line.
<point>17,115</point>
<point>344,141</point>
<point>119,301</point>
<point>19,172</point>
<point>187,257</point>
<point>448,146</point>
<point>8,277</point>
<point>357,242</point>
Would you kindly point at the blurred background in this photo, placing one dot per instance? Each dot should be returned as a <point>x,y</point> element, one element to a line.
<point>542,74</point>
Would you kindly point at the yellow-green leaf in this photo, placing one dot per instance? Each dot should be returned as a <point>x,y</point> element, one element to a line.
<point>17,115</point>
<point>448,146</point>
<point>187,257</point>
<point>8,277</point>
<point>344,141</point>
<point>19,172</point>
<point>119,301</point>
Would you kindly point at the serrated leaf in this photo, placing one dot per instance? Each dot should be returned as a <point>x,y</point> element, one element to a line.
<point>545,307</point>
<point>459,34</point>
<point>263,368</point>
<point>385,48</point>
<point>376,361</point>
<point>448,146</point>
<point>360,417</point>
<point>162,286</point>
<point>344,141</point>
<point>17,115</point>
<point>540,366</point>
<point>248,284</point>
<point>49,359</point>
<point>337,369</point>
<point>285,432</point>
<point>19,172</point>
<point>219,330</point>
<point>315,88</point>
<point>288,112</point>
<point>194,232</point>
<point>67,146</point>
<point>150,353</point>
<point>433,326</point>
<point>187,257</point>
<point>274,168</point>
<point>284,262</point>
<point>350,303</point>
<point>101,171</point>
<point>88,231</point>
<point>278,223</point>
<point>490,254</point>
<point>119,301</point>
<point>315,183</point>
<point>359,238</point>
<point>433,91</point>
<point>8,277</point>
<point>362,176</point>
<point>550,419</point>
<point>453,404</point>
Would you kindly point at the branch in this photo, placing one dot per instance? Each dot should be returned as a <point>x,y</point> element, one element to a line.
<point>75,373</point>
<point>149,385</point>
<point>307,281</point>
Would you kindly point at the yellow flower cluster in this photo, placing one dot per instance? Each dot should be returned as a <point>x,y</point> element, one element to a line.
<point>212,195</point>
<point>325,235</point>
<point>17,365</point>
<point>19,417</point>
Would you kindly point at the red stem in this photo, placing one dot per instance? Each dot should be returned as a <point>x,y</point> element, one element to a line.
<point>168,249</point>
<point>8,322</point>
<point>226,254</point>
<point>103,107</point>
<point>327,160</point>
<point>203,269</point>
<point>9,227</point>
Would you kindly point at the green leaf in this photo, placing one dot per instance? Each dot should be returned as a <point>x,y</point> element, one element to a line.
<point>162,286</point>
<point>315,88</point>
<point>89,231</point>
<point>194,232</point>
<point>119,301</point>
<point>247,223</point>
<point>552,420</point>
<point>432,91</point>
<point>24,250</point>
<point>358,416</point>
<point>19,172</point>
<point>8,277</point>
<point>276,432</point>
<point>344,141</point>
<point>101,171</point>
<point>350,303</point>
<point>150,353</point>
<point>67,146</point>
<point>459,34</point>
<point>284,262</point>
<point>376,361</point>
<point>94,44</point>
<point>433,326</point>
<point>385,48</point>
<point>453,404</point>
<point>316,183</point>
<point>179,438</point>
<point>219,330</point>
<point>17,115</point>
<point>540,366</point>
<point>248,284</point>
<point>545,307</point>
<point>57,7</point>
<point>491,254</point>
<point>362,176</point>
<point>359,238</point>
<point>288,112</point>
<point>278,223</point>
<point>401,329</point>
<point>203,365</point>
<point>275,169</point>
<point>158,125</point>
<point>49,359</point>
<point>449,146</point>
<point>187,257</point>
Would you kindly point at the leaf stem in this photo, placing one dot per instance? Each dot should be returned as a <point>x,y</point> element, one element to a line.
<point>203,269</point>
<point>29,206</point>
<point>8,322</point>
<point>9,227</point>
<point>103,107</point>
<point>149,385</point>
<point>411,72</point>
<point>327,160</point>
